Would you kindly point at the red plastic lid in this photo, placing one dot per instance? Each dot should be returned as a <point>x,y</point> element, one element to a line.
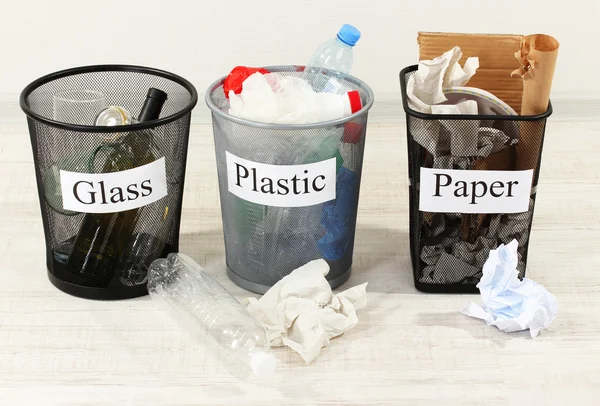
<point>355,101</point>
<point>236,78</point>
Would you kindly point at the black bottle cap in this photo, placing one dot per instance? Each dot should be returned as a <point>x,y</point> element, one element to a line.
<point>152,105</point>
<point>156,94</point>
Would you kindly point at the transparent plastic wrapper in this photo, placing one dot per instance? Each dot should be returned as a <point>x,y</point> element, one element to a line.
<point>202,306</point>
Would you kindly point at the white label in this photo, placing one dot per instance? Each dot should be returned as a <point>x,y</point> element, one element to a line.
<point>281,185</point>
<point>465,191</point>
<point>116,191</point>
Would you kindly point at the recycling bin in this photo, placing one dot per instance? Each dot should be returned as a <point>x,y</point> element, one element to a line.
<point>473,184</point>
<point>289,193</point>
<point>110,195</point>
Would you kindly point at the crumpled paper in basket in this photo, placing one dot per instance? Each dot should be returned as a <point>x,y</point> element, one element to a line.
<point>302,312</point>
<point>455,140</point>
<point>424,90</point>
<point>462,256</point>
<point>425,87</point>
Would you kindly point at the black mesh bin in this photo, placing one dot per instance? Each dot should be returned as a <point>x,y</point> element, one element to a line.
<point>449,247</point>
<point>110,196</point>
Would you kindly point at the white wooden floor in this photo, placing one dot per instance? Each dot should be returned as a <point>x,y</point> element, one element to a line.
<point>408,349</point>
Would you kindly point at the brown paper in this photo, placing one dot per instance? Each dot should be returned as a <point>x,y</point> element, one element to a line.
<point>503,160</point>
<point>465,228</point>
<point>537,55</point>
<point>496,60</point>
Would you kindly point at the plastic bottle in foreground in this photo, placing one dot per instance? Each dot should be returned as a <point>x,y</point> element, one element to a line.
<point>335,55</point>
<point>181,286</point>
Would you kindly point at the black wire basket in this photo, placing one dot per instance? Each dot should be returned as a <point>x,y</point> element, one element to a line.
<point>449,249</point>
<point>103,252</point>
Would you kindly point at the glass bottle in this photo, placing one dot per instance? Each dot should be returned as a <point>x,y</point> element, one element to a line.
<point>102,237</point>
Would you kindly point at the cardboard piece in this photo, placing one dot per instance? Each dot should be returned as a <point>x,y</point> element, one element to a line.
<point>496,53</point>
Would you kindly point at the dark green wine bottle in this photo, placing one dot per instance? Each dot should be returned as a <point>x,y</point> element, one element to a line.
<point>102,237</point>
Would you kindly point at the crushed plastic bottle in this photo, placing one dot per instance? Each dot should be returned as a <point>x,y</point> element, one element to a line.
<point>182,287</point>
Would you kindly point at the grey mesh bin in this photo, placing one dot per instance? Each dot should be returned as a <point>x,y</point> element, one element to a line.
<point>272,223</point>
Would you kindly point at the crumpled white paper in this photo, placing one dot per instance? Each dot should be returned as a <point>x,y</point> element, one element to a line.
<point>425,87</point>
<point>425,90</point>
<point>510,304</point>
<point>302,312</point>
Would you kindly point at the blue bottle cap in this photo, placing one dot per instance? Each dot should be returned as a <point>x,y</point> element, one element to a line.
<point>349,34</point>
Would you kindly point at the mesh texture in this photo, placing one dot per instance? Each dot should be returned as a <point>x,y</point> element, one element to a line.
<point>448,250</point>
<point>265,243</point>
<point>156,228</point>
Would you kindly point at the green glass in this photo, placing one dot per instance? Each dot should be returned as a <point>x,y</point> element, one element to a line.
<point>103,236</point>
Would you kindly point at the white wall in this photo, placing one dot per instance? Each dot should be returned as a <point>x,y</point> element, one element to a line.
<point>202,40</point>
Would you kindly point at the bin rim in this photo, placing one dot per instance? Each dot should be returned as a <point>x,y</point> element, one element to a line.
<point>425,116</point>
<point>107,68</point>
<point>290,68</point>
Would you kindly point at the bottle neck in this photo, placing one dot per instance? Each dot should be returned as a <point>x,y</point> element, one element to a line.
<point>342,43</point>
<point>153,104</point>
